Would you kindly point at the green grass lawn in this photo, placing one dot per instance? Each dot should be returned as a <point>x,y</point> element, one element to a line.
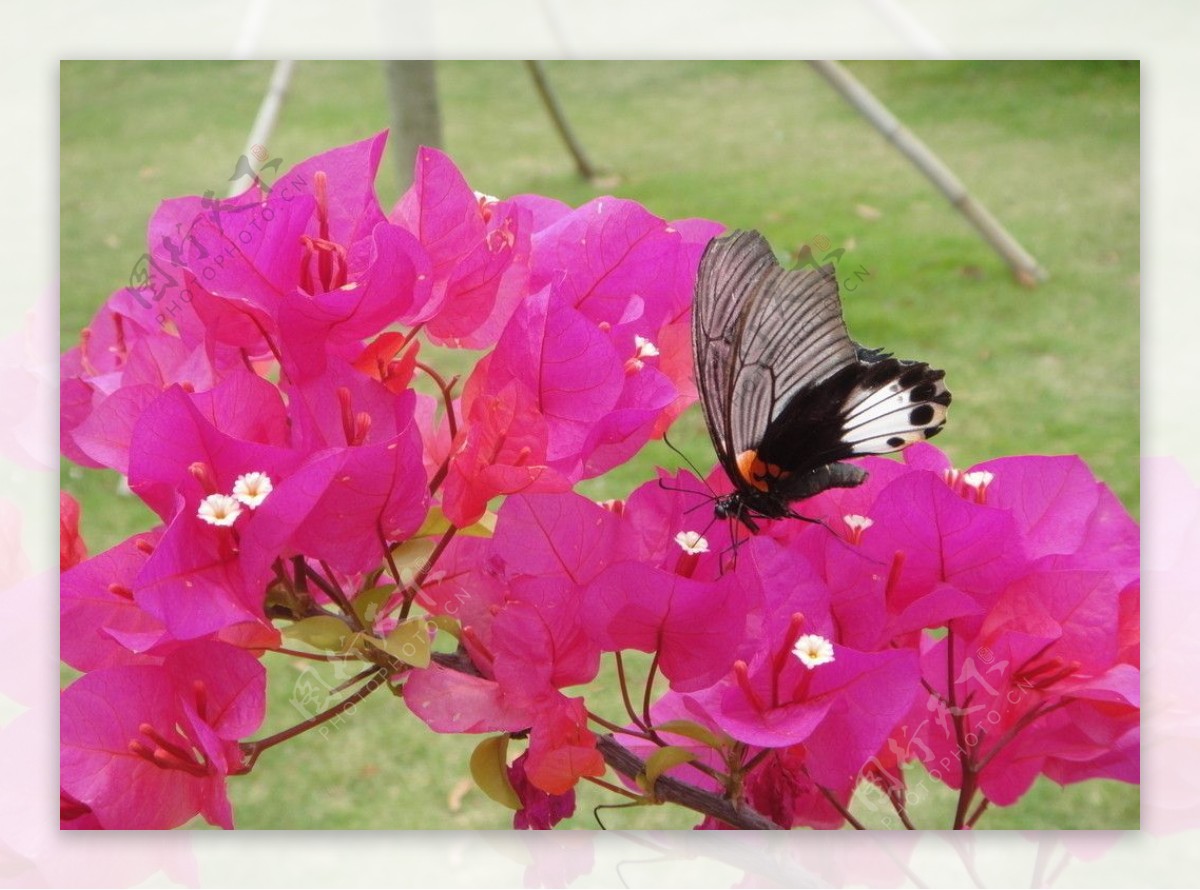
<point>1051,148</point>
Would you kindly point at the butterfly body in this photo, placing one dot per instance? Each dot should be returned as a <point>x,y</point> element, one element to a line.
<point>786,393</point>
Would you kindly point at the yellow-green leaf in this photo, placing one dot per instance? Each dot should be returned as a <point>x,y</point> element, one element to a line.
<point>484,527</point>
<point>489,769</point>
<point>367,603</point>
<point>408,642</point>
<point>436,524</point>
<point>447,624</point>
<point>410,556</point>
<point>691,730</point>
<point>661,761</point>
<point>323,632</point>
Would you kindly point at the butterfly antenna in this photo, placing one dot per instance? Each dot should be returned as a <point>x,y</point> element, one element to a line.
<point>688,461</point>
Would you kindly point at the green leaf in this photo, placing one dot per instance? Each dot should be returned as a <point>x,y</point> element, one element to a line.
<point>696,731</point>
<point>410,556</point>
<point>436,524</point>
<point>367,603</point>
<point>447,624</point>
<point>661,761</point>
<point>408,642</point>
<point>324,632</point>
<point>489,769</point>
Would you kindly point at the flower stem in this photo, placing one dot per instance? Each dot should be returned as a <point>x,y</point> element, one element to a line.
<point>970,775</point>
<point>252,750</point>
<point>409,593</point>
<point>621,681</point>
<point>339,596</point>
<point>447,390</point>
<point>897,800</point>
<point>616,727</point>
<point>837,805</point>
<point>313,656</point>
<point>979,811</point>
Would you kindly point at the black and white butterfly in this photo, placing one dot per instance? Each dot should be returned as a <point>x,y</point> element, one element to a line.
<point>786,393</point>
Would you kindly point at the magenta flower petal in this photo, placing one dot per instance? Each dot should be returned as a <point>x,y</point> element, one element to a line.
<point>611,256</point>
<point>341,499</point>
<point>877,687</point>
<point>172,436</point>
<point>99,618</point>
<point>1051,498</point>
<point>479,248</point>
<point>555,535</point>
<point>539,810</point>
<point>352,205</point>
<point>149,746</point>
<point>336,506</point>
<point>504,453</point>
<point>943,538</point>
<point>545,211</point>
<point>451,701</point>
<point>861,719</point>
<point>695,627</point>
<point>101,714</point>
<point>1075,610</point>
<point>562,750</point>
<point>394,286</point>
<point>195,584</point>
<point>574,371</point>
<point>71,548</point>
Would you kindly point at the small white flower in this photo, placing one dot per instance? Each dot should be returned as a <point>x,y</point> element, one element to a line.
<point>252,488</point>
<point>484,198</point>
<point>977,485</point>
<point>643,348</point>
<point>219,509</point>
<point>978,479</point>
<point>692,542</point>
<point>812,650</point>
<point>857,524</point>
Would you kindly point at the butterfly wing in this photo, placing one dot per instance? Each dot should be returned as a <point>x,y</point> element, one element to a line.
<point>731,272</point>
<point>786,392</point>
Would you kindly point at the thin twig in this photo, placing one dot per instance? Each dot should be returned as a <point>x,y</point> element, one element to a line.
<point>897,801</point>
<point>625,692</point>
<point>252,750</point>
<point>618,728</point>
<point>616,789</point>
<point>837,805</point>
<point>409,593</point>
<point>966,789</point>
<point>313,656</point>
<point>1025,720</point>
<point>649,688</point>
<point>979,811</point>
<point>339,596</point>
<point>447,390</point>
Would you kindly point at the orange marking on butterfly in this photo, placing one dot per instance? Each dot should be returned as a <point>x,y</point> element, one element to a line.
<point>756,472</point>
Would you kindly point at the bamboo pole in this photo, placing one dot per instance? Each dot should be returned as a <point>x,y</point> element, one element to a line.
<point>550,100</point>
<point>264,121</point>
<point>1026,269</point>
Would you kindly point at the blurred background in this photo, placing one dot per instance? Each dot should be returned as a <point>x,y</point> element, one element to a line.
<point>1051,148</point>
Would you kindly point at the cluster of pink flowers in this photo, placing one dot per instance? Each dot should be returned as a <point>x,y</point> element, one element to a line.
<point>261,394</point>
